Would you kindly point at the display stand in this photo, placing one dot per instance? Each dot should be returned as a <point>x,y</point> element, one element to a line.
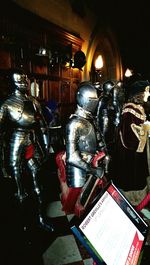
<point>112,231</point>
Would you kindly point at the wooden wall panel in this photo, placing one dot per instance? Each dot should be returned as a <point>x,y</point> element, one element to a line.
<point>21,35</point>
<point>5,59</point>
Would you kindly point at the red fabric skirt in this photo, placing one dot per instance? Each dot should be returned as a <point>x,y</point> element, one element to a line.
<point>70,197</point>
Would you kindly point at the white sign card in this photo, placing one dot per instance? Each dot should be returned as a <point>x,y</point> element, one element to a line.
<point>113,229</point>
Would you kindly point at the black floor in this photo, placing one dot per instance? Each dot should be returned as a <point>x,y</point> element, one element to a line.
<point>22,241</point>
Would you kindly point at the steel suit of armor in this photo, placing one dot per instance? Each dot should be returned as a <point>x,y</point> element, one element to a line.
<point>108,111</point>
<point>83,139</point>
<point>23,137</point>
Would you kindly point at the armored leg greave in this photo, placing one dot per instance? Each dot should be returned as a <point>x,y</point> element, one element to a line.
<point>34,167</point>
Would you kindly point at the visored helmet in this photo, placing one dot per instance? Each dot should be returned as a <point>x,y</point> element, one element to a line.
<point>20,80</point>
<point>108,86</point>
<point>87,97</point>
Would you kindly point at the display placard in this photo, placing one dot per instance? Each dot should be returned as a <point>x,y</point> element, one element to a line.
<point>112,231</point>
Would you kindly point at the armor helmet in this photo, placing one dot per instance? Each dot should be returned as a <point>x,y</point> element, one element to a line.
<point>20,80</point>
<point>107,87</point>
<point>87,97</point>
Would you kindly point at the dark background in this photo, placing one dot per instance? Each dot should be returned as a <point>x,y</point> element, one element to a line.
<point>131,23</point>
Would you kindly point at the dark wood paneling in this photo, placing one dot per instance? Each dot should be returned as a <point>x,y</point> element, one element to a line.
<point>22,33</point>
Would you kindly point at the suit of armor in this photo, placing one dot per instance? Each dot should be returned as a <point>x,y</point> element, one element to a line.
<point>108,111</point>
<point>83,139</point>
<point>23,137</point>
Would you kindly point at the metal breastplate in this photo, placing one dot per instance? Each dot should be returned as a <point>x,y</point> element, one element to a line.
<point>87,138</point>
<point>81,142</point>
<point>21,112</point>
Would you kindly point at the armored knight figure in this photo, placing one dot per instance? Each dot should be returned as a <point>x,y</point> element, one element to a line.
<point>108,111</point>
<point>23,138</point>
<point>83,138</point>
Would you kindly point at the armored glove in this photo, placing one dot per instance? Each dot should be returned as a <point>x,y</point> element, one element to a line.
<point>97,172</point>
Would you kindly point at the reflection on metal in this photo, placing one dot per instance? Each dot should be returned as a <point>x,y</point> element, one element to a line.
<point>42,52</point>
<point>34,89</point>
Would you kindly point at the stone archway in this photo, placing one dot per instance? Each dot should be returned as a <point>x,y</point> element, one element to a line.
<point>103,42</point>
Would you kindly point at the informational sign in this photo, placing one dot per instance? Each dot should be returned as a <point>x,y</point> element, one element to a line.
<point>112,231</point>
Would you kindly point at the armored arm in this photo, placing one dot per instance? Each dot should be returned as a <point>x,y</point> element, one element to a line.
<point>116,106</point>
<point>3,111</point>
<point>75,156</point>
<point>102,148</point>
<point>102,115</point>
<point>41,129</point>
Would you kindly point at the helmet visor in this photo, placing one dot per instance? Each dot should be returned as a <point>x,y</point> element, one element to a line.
<point>91,104</point>
<point>21,81</point>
